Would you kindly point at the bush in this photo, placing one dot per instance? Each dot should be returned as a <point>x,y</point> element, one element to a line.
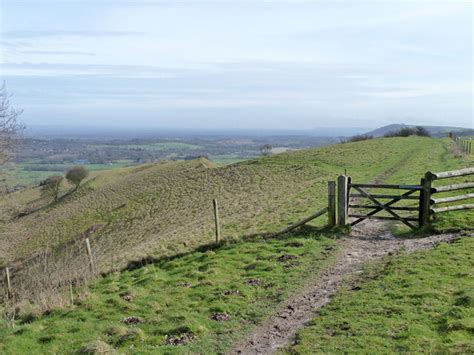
<point>360,137</point>
<point>422,131</point>
<point>76,174</point>
<point>50,186</point>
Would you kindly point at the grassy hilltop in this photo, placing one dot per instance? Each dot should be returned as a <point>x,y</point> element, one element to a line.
<point>209,297</point>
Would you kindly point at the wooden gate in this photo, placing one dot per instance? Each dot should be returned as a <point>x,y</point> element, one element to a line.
<point>376,206</point>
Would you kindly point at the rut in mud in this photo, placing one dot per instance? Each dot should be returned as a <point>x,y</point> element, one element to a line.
<point>368,242</point>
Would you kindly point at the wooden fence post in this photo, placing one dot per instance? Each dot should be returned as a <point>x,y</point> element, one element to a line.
<point>9,284</point>
<point>89,253</point>
<point>342,200</point>
<point>216,220</point>
<point>331,203</point>
<point>426,202</point>
<point>71,293</point>
<point>421,208</point>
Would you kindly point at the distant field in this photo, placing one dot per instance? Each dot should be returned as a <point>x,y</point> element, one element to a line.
<point>32,173</point>
<point>152,146</point>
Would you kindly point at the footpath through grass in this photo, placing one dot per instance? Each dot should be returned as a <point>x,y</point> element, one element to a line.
<point>421,303</point>
<point>207,299</point>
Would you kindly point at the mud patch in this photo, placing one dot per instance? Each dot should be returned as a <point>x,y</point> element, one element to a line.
<point>181,339</point>
<point>286,257</point>
<point>232,293</point>
<point>221,317</point>
<point>133,320</point>
<point>254,282</point>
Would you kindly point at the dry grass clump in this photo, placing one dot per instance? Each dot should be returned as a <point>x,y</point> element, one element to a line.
<point>97,347</point>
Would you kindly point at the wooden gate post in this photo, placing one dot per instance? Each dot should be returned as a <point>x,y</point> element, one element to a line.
<point>216,220</point>
<point>425,200</point>
<point>342,200</point>
<point>331,204</point>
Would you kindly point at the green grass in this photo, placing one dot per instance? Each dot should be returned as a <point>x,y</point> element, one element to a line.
<point>422,303</point>
<point>177,296</point>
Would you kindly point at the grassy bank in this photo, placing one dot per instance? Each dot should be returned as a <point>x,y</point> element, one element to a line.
<point>421,303</point>
<point>209,298</point>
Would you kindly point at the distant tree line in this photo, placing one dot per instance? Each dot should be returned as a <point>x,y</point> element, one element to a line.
<point>409,131</point>
<point>402,132</point>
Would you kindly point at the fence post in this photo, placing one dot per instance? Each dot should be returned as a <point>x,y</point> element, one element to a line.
<point>89,253</point>
<point>342,199</point>
<point>421,208</point>
<point>9,284</point>
<point>331,203</point>
<point>216,220</point>
<point>426,203</point>
<point>71,293</point>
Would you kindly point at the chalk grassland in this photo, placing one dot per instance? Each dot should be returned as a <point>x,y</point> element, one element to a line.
<point>422,303</point>
<point>211,296</point>
<point>167,208</point>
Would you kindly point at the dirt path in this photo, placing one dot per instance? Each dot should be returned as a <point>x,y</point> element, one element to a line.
<point>368,242</point>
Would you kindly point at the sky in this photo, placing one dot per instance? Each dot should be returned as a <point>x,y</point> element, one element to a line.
<point>238,64</point>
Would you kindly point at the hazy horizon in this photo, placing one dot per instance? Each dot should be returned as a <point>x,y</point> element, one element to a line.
<point>221,65</point>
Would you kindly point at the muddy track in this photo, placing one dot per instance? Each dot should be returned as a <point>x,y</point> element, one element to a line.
<point>368,242</point>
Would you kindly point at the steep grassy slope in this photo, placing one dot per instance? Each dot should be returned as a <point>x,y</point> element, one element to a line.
<point>163,206</point>
<point>423,303</point>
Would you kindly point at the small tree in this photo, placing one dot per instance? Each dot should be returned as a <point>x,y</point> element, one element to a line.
<point>75,175</point>
<point>50,187</point>
<point>266,149</point>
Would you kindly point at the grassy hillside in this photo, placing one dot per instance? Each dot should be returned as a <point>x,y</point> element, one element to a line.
<point>153,205</point>
<point>164,209</point>
<point>162,213</point>
<point>423,303</point>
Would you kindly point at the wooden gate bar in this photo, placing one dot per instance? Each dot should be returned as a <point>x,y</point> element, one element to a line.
<point>401,197</point>
<point>389,186</point>
<point>380,209</point>
<point>392,208</point>
<point>385,207</point>
<point>414,219</point>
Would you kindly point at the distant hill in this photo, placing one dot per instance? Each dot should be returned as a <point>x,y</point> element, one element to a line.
<point>435,131</point>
